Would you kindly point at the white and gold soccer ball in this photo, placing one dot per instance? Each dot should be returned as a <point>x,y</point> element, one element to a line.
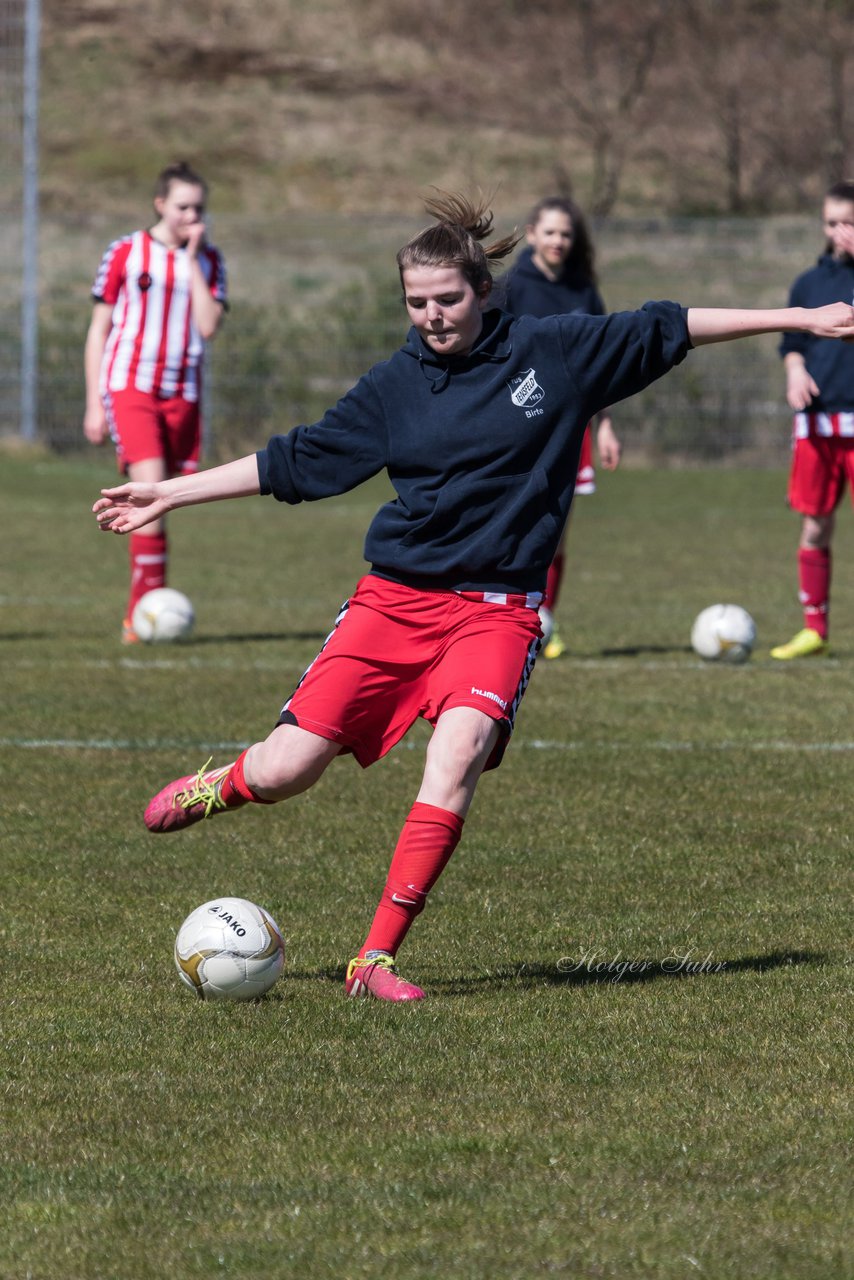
<point>723,633</point>
<point>229,949</point>
<point>163,615</point>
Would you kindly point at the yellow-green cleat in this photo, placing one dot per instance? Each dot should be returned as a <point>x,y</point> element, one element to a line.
<point>555,645</point>
<point>552,644</point>
<point>804,645</point>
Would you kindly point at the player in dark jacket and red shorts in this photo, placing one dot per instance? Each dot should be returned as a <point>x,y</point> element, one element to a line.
<point>556,275</point>
<point>820,388</point>
<point>477,421</point>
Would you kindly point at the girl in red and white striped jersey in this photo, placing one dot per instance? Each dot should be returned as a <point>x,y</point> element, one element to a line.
<point>159,296</point>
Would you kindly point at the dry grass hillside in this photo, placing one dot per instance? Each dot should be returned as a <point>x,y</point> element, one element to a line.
<point>674,106</point>
<point>284,105</point>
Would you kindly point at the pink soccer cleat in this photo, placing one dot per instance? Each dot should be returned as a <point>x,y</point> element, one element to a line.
<point>189,800</point>
<point>375,975</point>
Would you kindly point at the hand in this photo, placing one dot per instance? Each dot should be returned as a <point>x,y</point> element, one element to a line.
<point>608,446</point>
<point>833,321</point>
<point>801,388</point>
<point>843,238</point>
<point>95,426</point>
<point>195,238</point>
<point>128,507</point>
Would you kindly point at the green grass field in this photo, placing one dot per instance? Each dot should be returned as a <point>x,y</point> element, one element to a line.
<point>633,1061</point>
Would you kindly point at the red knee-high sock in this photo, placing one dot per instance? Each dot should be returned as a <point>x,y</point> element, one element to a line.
<point>235,790</point>
<point>553,581</point>
<point>814,578</point>
<point>148,557</point>
<point>429,837</point>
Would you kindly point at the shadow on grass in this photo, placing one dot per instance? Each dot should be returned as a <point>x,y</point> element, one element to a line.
<point>597,970</point>
<point>15,637</point>
<point>637,650</point>
<point>255,637</point>
<point>244,637</point>
<point>601,969</point>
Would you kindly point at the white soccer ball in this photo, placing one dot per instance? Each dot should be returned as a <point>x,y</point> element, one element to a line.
<point>163,615</point>
<point>229,949</point>
<point>547,624</point>
<point>723,633</point>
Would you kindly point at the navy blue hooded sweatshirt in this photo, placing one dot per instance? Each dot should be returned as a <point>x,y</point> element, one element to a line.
<point>481,449</point>
<point>525,291</point>
<point>831,363</point>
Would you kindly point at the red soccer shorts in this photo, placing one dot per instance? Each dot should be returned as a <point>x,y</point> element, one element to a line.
<point>397,653</point>
<point>144,426</point>
<point>585,478</point>
<point>820,467</point>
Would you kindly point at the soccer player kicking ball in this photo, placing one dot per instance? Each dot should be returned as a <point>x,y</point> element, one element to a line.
<point>478,421</point>
<point>159,295</point>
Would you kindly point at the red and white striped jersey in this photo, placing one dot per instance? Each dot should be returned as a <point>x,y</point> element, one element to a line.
<point>153,344</point>
<point>812,426</point>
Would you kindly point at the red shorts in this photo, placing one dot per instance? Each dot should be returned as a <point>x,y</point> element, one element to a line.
<point>585,479</point>
<point>820,467</point>
<point>397,653</point>
<point>144,426</point>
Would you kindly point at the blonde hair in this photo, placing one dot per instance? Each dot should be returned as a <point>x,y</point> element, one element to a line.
<point>454,240</point>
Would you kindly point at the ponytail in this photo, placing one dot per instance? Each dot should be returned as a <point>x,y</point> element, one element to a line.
<point>455,240</point>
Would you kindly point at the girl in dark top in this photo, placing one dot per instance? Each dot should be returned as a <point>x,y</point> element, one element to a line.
<point>477,421</point>
<point>820,388</point>
<point>556,275</point>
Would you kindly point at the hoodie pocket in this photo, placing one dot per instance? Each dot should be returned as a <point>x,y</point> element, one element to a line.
<point>501,523</point>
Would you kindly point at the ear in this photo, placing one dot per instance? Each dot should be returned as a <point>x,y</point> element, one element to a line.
<point>483,296</point>
<point>529,233</point>
<point>159,202</point>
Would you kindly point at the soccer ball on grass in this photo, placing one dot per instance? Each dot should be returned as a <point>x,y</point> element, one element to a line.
<point>163,615</point>
<point>229,949</point>
<point>723,633</point>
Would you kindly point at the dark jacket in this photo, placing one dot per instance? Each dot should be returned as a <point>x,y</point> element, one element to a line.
<point>525,291</point>
<point>482,449</point>
<point>830,362</point>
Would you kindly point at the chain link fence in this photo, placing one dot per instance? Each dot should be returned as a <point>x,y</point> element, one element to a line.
<point>315,301</point>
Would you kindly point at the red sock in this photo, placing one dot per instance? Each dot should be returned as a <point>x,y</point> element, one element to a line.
<point>553,581</point>
<point>429,837</point>
<point>814,579</point>
<point>148,557</point>
<point>234,788</point>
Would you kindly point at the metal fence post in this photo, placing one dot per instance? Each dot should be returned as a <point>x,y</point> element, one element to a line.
<point>30,225</point>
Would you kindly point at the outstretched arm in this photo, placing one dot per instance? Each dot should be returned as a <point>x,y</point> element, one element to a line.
<point>95,418</point>
<point>130,506</point>
<point>720,324</point>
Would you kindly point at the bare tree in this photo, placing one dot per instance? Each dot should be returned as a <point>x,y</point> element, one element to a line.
<point>727,47</point>
<point>832,41</point>
<point>603,55</point>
